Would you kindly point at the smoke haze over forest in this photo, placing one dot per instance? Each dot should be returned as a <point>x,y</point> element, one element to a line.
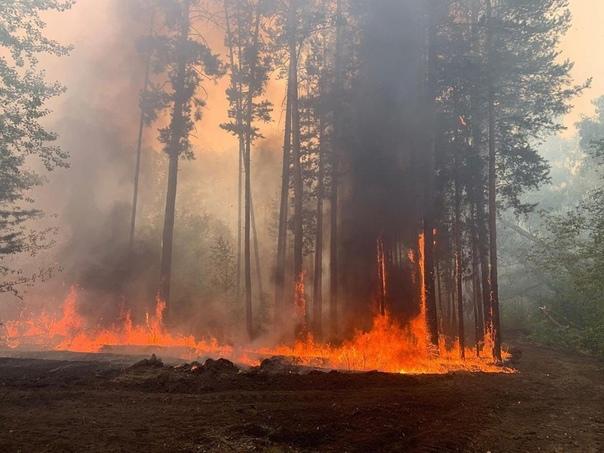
<point>388,131</point>
<point>301,225</point>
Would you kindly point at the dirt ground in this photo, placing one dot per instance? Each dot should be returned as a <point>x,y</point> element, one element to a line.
<point>554,403</point>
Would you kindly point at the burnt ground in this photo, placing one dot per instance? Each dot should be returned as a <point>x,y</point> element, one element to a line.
<point>554,403</point>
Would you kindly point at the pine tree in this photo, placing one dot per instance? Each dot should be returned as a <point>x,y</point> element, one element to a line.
<point>250,63</point>
<point>184,62</point>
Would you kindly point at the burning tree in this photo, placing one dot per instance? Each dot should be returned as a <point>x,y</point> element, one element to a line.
<point>427,134</point>
<point>416,121</point>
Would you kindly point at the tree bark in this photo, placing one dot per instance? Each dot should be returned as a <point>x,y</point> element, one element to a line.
<point>284,205</point>
<point>241,140</point>
<point>318,272</point>
<point>176,128</point>
<point>429,281</point>
<point>441,306</point>
<point>298,182</point>
<point>458,261</point>
<point>334,276</point>
<point>476,286</point>
<point>479,231</point>
<point>257,257</point>
<point>494,286</point>
<point>248,181</point>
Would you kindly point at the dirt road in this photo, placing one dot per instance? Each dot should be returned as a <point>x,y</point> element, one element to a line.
<point>554,403</point>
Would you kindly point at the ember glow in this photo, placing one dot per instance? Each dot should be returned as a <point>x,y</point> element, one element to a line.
<point>387,346</point>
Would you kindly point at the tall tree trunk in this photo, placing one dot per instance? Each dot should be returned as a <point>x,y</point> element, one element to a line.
<point>494,285</point>
<point>334,273</point>
<point>429,281</point>
<point>483,253</point>
<point>298,182</point>
<point>176,134</point>
<point>247,242</point>
<point>441,306</point>
<point>257,257</point>
<point>236,84</point>
<point>248,180</point>
<point>458,261</point>
<point>318,271</point>
<point>240,214</point>
<point>452,288</point>
<point>479,220</point>
<point>476,286</point>
<point>139,144</point>
<point>283,209</point>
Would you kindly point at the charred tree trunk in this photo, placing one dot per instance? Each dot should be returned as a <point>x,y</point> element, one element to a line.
<point>177,124</point>
<point>283,209</point>
<point>318,272</point>
<point>494,286</point>
<point>453,325</point>
<point>476,287</point>
<point>333,196</point>
<point>297,167</point>
<point>458,261</point>
<point>429,281</point>
<point>439,292</point>
<point>479,231</point>
<point>483,253</point>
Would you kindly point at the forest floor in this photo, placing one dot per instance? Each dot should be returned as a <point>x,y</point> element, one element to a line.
<point>555,402</point>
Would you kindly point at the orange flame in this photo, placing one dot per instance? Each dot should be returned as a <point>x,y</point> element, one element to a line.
<point>381,269</point>
<point>72,333</point>
<point>387,346</point>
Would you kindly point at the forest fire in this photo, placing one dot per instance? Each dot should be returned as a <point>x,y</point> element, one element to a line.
<point>301,225</point>
<point>70,331</point>
<point>387,346</point>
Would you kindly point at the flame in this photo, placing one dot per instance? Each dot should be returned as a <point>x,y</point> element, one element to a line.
<point>419,325</point>
<point>381,272</point>
<point>387,346</point>
<point>71,332</point>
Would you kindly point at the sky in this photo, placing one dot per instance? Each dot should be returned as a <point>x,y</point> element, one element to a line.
<point>584,44</point>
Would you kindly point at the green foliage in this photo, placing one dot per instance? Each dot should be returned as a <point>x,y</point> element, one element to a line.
<point>569,256</point>
<point>223,262</point>
<point>572,254</point>
<point>24,141</point>
<point>533,88</point>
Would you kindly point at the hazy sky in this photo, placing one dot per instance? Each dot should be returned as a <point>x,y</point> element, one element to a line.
<point>584,44</point>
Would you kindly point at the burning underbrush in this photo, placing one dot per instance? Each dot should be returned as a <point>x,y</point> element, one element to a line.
<point>387,346</point>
